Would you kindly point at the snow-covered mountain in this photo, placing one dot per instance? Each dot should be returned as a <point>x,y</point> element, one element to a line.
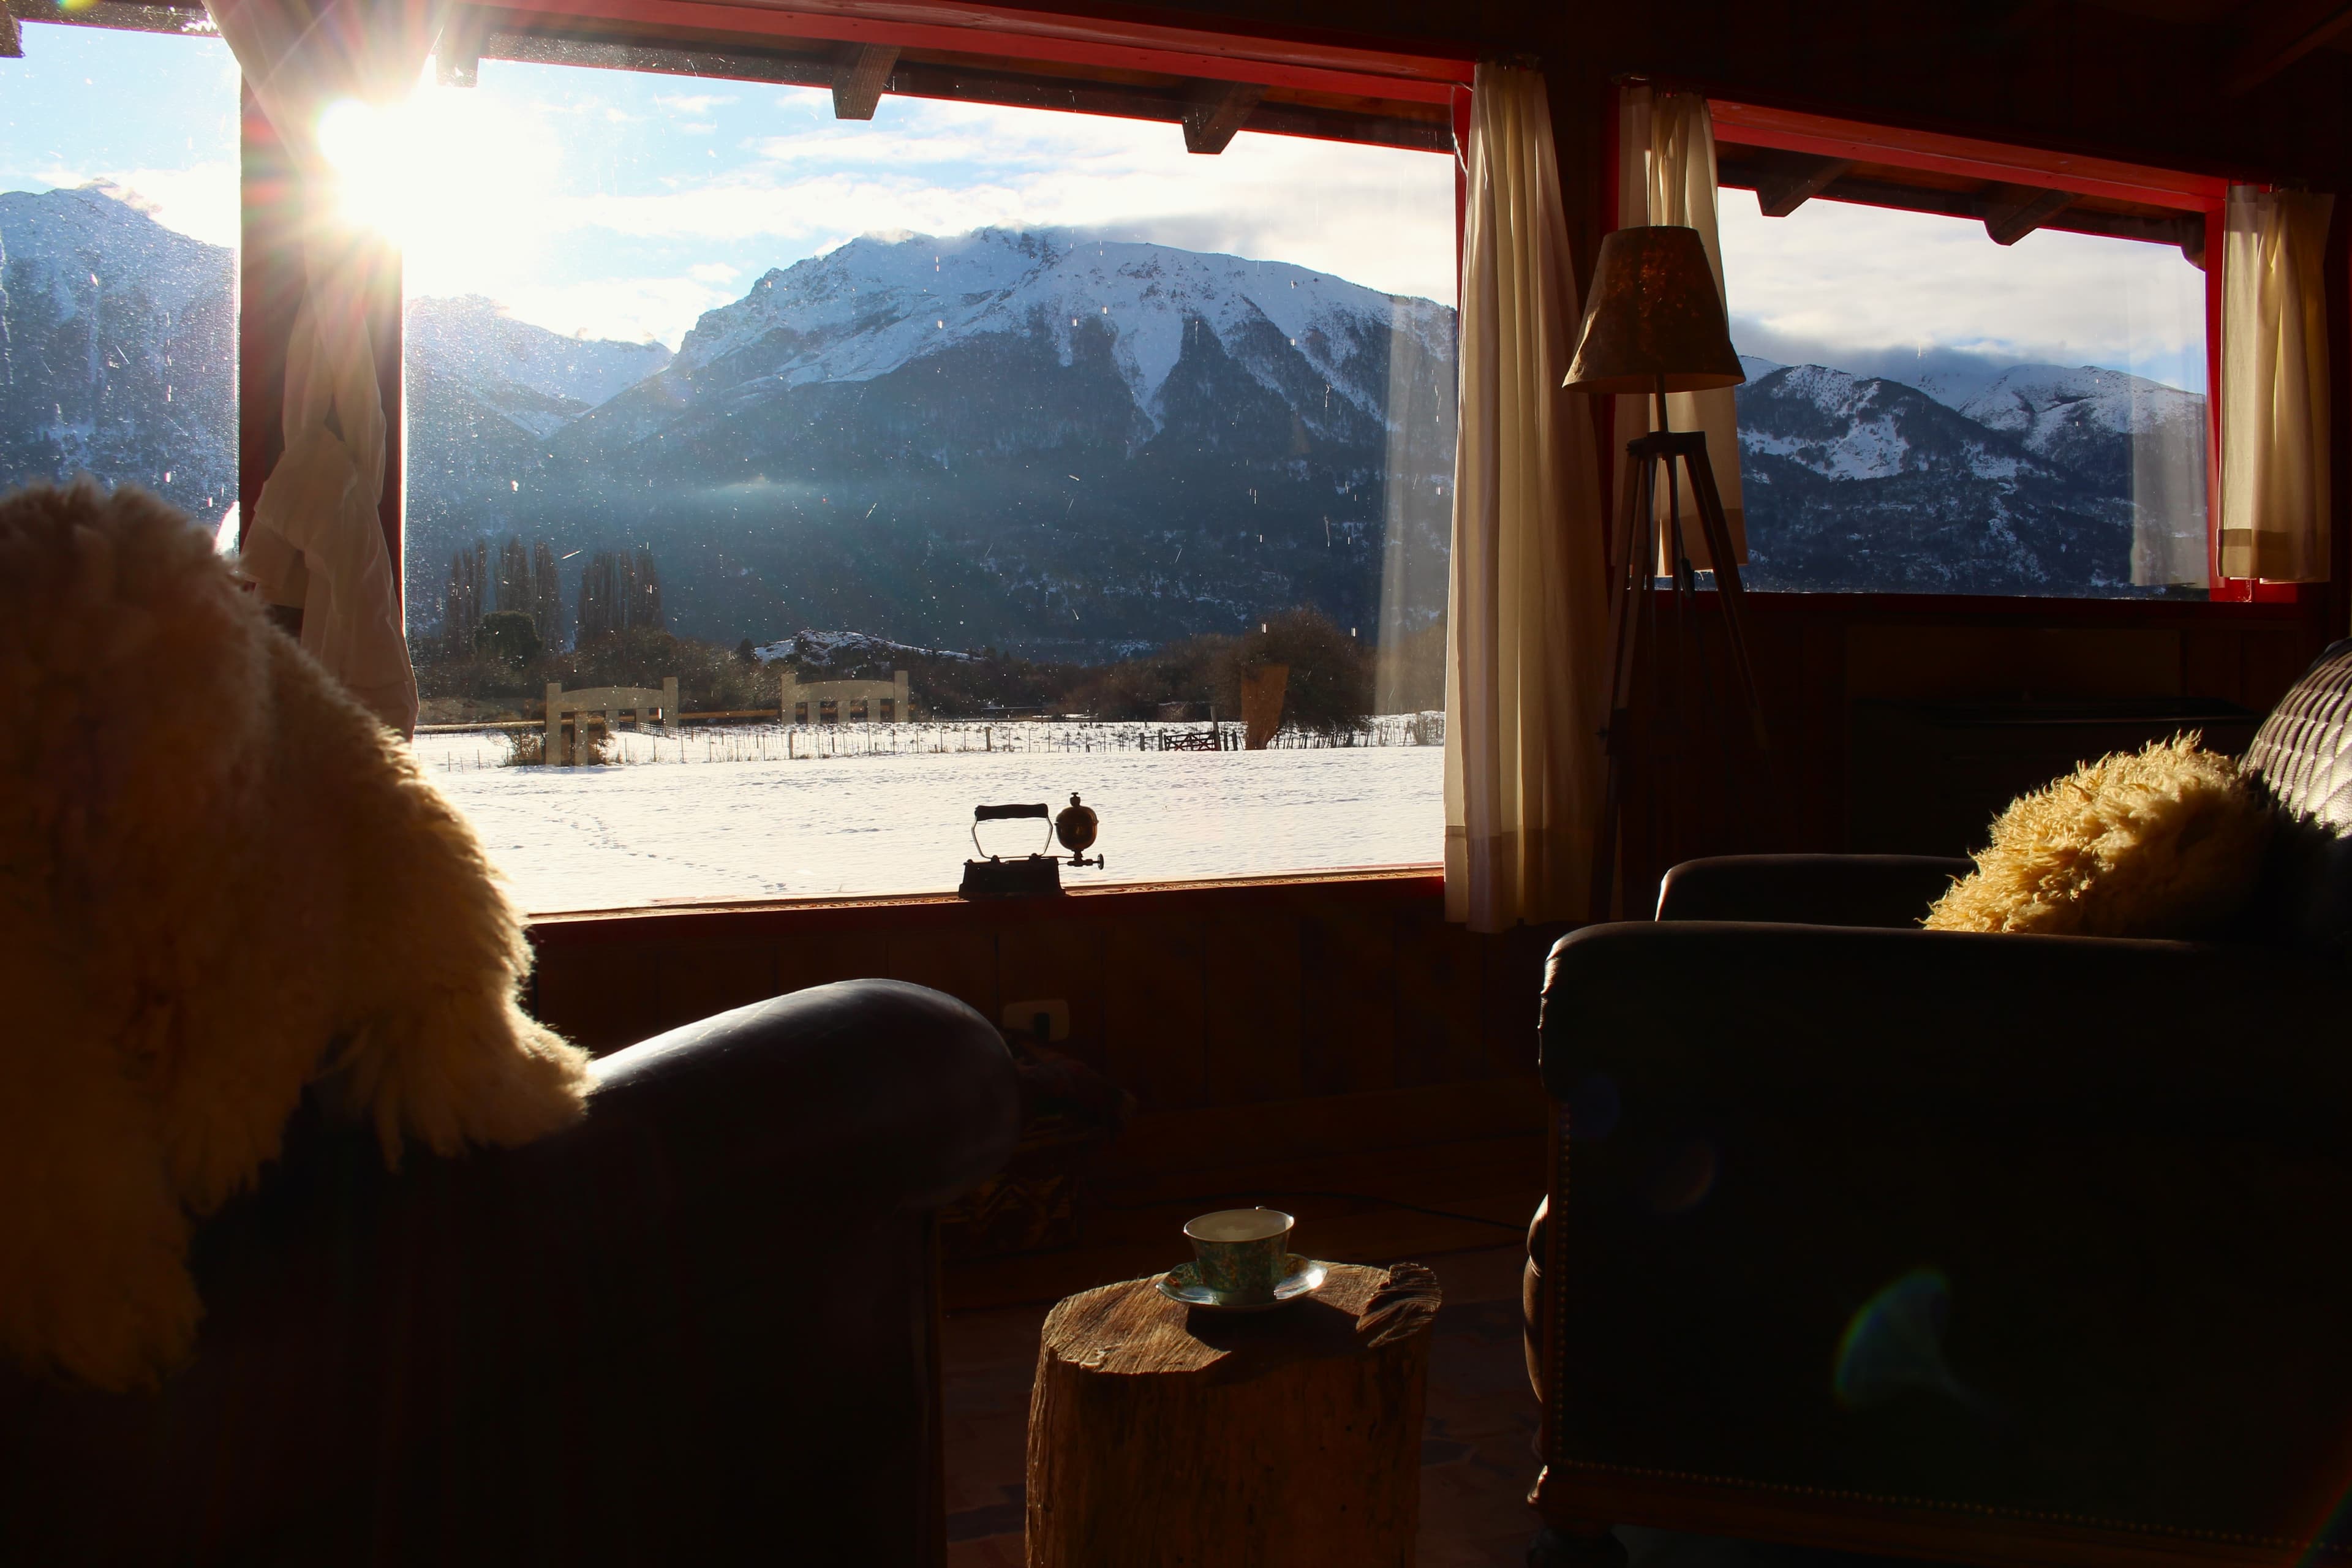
<point>1045,443</point>
<point>117,348</point>
<point>1027,439</point>
<point>874,305</point>
<point>2049,481</point>
<point>539,379</point>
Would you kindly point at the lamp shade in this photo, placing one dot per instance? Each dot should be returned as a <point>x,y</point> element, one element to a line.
<point>1654,310</point>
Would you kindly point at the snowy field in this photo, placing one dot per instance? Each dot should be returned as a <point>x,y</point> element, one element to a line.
<point>724,814</point>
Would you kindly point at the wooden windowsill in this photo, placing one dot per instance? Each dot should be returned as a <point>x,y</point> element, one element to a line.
<point>688,921</point>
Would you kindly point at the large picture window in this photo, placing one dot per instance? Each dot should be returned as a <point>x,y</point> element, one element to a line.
<point>1959,386</point>
<point>118,263</point>
<point>973,453</point>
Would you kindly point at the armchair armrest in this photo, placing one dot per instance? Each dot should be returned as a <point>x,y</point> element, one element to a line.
<point>870,1093</point>
<point>1891,890</point>
<point>2020,1028</point>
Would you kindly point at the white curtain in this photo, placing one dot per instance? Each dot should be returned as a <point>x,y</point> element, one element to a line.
<point>1524,677</point>
<point>1665,174</point>
<point>315,539</point>
<point>2275,437</point>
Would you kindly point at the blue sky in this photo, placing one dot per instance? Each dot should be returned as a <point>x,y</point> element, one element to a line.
<point>623,205</point>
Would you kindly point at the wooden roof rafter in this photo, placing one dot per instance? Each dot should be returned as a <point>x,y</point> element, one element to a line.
<point>1788,158</point>
<point>2012,211</point>
<point>181,17</point>
<point>1210,97</point>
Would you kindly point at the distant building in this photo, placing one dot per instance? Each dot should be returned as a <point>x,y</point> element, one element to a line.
<point>845,701</point>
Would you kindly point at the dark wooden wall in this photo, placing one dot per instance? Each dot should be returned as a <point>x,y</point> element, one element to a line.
<point>1190,995</point>
<point>1307,1029</point>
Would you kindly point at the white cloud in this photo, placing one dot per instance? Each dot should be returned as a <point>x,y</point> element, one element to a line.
<point>629,309</point>
<point>1859,282</point>
<point>1379,217</point>
<point>694,104</point>
<point>635,220</point>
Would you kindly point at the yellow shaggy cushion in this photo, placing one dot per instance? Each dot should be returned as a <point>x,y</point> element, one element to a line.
<point>2164,842</point>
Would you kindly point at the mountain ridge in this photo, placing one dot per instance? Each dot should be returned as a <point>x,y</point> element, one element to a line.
<point>1050,444</point>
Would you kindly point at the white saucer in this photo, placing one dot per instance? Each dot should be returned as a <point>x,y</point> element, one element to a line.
<point>1300,1277</point>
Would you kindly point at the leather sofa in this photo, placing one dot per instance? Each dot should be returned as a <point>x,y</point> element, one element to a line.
<point>699,1326</point>
<point>1987,1248</point>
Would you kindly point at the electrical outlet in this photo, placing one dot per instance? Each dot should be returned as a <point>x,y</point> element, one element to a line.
<point>1020,1018</point>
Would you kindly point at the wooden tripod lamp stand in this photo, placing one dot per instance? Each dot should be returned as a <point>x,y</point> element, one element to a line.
<point>1654,324</point>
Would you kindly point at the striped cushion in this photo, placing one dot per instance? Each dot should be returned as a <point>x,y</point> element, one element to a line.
<point>2304,750</point>
<point>2302,754</point>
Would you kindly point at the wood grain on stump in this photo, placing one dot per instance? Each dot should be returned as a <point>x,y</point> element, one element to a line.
<point>1160,1435</point>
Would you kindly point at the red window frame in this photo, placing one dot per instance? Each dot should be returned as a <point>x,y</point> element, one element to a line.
<point>1792,130</point>
<point>1271,58</point>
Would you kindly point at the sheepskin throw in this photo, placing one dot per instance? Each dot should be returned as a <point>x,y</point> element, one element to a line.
<point>2164,842</point>
<point>220,880</point>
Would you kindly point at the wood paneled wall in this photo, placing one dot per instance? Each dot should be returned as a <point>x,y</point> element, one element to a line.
<point>1195,997</point>
<point>1817,655</point>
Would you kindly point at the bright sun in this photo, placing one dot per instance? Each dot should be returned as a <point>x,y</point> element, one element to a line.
<point>449,173</point>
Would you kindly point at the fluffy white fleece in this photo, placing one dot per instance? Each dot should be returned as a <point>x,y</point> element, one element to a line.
<point>214,863</point>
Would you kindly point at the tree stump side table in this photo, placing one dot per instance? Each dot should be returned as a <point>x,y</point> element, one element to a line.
<point>1161,1436</point>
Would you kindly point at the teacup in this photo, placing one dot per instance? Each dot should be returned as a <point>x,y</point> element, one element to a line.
<point>1239,1252</point>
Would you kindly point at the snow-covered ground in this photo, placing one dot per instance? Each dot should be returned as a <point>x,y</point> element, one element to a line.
<point>724,815</point>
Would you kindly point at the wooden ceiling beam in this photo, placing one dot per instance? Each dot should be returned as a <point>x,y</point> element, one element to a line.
<point>1217,113</point>
<point>1794,179</point>
<point>2279,33</point>
<point>857,84</point>
<point>2016,211</point>
<point>457,57</point>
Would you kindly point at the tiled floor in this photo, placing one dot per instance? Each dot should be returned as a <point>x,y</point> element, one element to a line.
<point>1477,1452</point>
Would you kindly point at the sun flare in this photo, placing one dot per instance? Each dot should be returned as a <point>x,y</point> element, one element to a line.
<point>449,173</point>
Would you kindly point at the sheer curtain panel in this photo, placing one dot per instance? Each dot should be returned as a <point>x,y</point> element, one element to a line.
<point>2275,438</point>
<point>1524,766</point>
<point>315,539</point>
<point>1665,173</point>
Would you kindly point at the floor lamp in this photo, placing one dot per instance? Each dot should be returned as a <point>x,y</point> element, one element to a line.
<point>1653,324</point>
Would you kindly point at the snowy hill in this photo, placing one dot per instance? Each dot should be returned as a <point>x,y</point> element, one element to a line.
<point>2043,482</point>
<point>2078,415</point>
<point>101,238</point>
<point>117,348</point>
<point>541,379</point>
<point>1844,426</point>
<point>821,650</point>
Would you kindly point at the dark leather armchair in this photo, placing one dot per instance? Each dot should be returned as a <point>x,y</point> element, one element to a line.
<point>699,1326</point>
<point>1990,1248</point>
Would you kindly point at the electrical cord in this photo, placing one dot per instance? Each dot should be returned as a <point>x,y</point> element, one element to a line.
<point>1514,1227</point>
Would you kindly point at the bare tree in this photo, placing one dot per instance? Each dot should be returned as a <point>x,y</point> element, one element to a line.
<point>514,577</point>
<point>546,595</point>
<point>619,591</point>
<point>646,594</point>
<point>461,600</point>
<point>603,599</point>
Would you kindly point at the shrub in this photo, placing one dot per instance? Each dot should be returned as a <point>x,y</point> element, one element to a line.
<point>509,637</point>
